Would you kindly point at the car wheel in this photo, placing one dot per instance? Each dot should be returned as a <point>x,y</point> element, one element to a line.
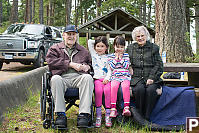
<point>1,65</point>
<point>40,59</point>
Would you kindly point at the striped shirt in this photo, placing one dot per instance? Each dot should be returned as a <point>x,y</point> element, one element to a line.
<point>120,67</point>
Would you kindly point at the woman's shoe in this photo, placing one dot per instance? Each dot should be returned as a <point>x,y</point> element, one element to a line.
<point>113,112</point>
<point>98,122</point>
<point>108,122</point>
<point>126,111</point>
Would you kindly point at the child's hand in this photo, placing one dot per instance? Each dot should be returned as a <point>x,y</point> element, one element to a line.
<point>105,81</point>
<point>118,56</point>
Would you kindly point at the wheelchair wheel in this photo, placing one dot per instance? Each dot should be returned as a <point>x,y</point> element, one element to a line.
<point>46,124</point>
<point>43,98</point>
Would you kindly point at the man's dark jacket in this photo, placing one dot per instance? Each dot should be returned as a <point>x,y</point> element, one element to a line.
<point>58,59</point>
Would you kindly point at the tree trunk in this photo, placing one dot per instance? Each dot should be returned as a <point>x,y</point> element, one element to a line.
<point>47,14</point>
<point>140,11</point>
<point>98,4</point>
<point>81,13</point>
<point>41,12</point>
<point>85,15</point>
<point>68,11</point>
<point>197,26</point>
<point>33,11</point>
<point>187,15</point>
<point>76,12</point>
<point>171,28</point>
<point>8,8</point>
<point>144,11</point>
<point>53,13</point>
<point>14,12</point>
<point>149,15</point>
<point>26,12</point>
<point>30,11</point>
<point>50,12</point>
<point>1,12</point>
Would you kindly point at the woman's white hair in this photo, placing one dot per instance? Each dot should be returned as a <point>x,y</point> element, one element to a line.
<point>140,29</point>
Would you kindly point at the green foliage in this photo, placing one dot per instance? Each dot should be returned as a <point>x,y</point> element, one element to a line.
<point>131,6</point>
<point>193,59</point>
<point>82,41</point>
<point>4,26</point>
<point>6,10</point>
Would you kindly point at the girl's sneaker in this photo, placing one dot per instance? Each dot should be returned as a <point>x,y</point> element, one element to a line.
<point>98,122</point>
<point>108,122</point>
<point>126,111</point>
<point>113,112</point>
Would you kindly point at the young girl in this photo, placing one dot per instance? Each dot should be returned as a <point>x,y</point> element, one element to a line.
<point>101,77</point>
<point>119,63</point>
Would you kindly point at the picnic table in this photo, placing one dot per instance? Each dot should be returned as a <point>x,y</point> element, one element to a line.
<point>192,70</point>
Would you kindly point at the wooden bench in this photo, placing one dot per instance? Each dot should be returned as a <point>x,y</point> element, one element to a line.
<point>175,82</point>
<point>192,70</point>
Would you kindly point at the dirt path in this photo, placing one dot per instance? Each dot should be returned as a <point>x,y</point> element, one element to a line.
<point>13,69</point>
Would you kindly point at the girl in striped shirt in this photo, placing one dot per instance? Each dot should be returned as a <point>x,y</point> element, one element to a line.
<point>119,63</point>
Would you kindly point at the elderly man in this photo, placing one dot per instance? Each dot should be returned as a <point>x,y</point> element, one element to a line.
<point>70,64</point>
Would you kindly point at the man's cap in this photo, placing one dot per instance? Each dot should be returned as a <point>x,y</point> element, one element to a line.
<point>70,28</point>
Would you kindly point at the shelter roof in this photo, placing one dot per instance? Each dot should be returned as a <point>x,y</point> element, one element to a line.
<point>115,22</point>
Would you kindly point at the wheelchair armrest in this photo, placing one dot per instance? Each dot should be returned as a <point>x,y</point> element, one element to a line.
<point>49,73</point>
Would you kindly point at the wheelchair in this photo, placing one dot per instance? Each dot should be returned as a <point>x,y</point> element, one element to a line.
<point>47,102</point>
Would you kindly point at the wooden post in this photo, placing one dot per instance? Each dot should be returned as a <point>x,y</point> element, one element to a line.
<point>89,33</point>
<point>123,35</point>
<point>108,36</point>
<point>87,38</point>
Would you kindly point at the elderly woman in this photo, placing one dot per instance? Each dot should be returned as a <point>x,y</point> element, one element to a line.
<point>147,69</point>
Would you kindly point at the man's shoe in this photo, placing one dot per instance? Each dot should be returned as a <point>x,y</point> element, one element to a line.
<point>61,121</point>
<point>84,120</point>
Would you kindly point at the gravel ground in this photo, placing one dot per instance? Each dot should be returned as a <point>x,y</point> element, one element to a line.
<point>13,69</point>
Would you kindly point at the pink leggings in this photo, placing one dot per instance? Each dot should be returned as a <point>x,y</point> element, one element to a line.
<point>99,89</point>
<point>125,90</point>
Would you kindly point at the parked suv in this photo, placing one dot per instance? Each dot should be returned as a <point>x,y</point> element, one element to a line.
<point>27,43</point>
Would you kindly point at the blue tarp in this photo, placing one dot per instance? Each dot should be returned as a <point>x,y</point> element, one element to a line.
<point>174,105</point>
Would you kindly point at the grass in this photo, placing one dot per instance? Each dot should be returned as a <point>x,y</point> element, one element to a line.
<point>27,119</point>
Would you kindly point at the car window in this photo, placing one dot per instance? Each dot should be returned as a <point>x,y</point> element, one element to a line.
<point>31,28</point>
<point>58,34</point>
<point>48,30</point>
<point>14,28</point>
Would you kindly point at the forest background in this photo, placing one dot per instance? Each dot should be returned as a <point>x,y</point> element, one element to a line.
<point>171,19</point>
